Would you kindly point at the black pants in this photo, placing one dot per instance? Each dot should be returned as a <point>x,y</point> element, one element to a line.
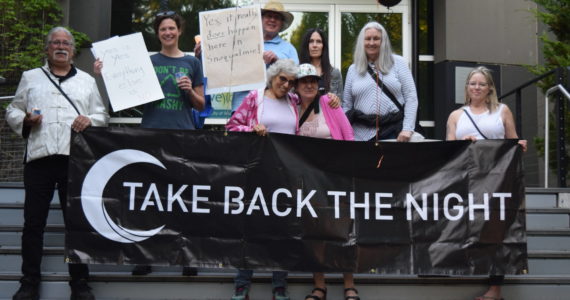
<point>41,177</point>
<point>496,279</point>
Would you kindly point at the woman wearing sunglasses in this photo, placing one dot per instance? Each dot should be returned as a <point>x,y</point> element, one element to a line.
<point>272,110</point>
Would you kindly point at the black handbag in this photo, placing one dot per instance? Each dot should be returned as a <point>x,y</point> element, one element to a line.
<point>392,127</point>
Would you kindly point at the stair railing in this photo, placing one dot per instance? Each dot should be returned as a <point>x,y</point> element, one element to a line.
<point>558,87</point>
<point>560,82</point>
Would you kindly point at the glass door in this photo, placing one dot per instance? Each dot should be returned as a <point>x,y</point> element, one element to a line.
<point>342,23</point>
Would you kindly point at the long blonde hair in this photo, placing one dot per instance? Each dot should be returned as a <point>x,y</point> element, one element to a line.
<point>492,100</point>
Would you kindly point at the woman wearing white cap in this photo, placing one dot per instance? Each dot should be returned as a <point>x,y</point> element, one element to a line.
<point>319,120</point>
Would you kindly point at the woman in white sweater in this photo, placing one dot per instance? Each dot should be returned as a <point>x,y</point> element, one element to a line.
<point>379,92</point>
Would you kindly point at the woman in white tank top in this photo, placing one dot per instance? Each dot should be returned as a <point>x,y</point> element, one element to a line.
<point>483,117</point>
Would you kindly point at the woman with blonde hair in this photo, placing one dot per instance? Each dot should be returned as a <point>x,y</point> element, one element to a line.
<point>483,117</point>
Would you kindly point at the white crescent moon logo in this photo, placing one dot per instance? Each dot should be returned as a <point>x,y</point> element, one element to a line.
<point>92,195</point>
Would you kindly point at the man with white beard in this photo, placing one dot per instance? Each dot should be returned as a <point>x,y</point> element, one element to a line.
<point>50,102</point>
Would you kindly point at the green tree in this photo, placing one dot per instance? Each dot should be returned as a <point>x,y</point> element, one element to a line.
<point>352,23</point>
<point>309,20</point>
<point>556,15</point>
<point>144,12</point>
<point>23,28</point>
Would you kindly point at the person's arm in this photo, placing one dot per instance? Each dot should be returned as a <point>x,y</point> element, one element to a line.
<point>241,118</point>
<point>194,89</point>
<point>510,130</point>
<point>17,116</point>
<point>336,83</point>
<point>452,125</point>
<point>98,112</point>
<point>410,96</point>
<point>196,95</point>
<point>347,100</point>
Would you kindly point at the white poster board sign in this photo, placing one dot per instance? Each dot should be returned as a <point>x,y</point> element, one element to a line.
<point>127,71</point>
<point>232,49</point>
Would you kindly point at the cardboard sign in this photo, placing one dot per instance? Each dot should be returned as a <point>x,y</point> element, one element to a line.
<point>127,71</point>
<point>232,49</point>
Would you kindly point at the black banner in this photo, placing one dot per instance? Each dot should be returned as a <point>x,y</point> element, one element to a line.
<point>216,199</point>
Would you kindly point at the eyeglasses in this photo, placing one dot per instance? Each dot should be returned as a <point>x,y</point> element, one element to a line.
<point>284,79</point>
<point>60,43</point>
<point>166,13</point>
<point>481,84</point>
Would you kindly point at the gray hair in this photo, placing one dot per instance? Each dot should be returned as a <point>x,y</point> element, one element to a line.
<point>60,29</point>
<point>287,66</point>
<point>384,62</point>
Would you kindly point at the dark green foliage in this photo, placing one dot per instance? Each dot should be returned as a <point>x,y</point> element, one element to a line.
<point>23,28</point>
<point>556,15</point>
<point>144,12</point>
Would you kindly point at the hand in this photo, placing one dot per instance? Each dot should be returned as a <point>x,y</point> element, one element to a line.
<point>523,145</point>
<point>185,84</point>
<point>260,129</point>
<point>32,120</point>
<point>404,136</point>
<point>97,67</point>
<point>198,49</point>
<point>335,100</point>
<point>80,123</point>
<point>269,57</point>
<point>470,138</point>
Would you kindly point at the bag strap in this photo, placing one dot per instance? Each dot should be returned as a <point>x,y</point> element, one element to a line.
<point>312,107</point>
<point>61,91</point>
<point>384,88</point>
<point>474,124</point>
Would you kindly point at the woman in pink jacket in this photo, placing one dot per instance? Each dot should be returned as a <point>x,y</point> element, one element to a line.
<point>319,120</point>
<point>272,109</point>
<point>332,122</point>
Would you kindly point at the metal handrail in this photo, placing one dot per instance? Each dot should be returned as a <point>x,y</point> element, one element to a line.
<point>532,81</point>
<point>551,90</point>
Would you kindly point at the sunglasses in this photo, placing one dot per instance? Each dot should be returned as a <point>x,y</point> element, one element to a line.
<point>166,13</point>
<point>284,79</point>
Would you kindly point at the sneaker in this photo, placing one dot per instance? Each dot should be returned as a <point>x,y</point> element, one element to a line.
<point>241,293</point>
<point>27,291</point>
<point>81,291</point>
<point>280,293</point>
<point>141,270</point>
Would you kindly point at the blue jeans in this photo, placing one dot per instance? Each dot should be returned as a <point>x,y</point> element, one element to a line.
<point>243,278</point>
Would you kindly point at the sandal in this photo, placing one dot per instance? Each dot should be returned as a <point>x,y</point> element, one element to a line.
<point>313,297</point>
<point>351,297</point>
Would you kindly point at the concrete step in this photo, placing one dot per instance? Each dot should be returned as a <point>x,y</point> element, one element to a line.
<point>548,240</point>
<point>545,198</point>
<point>548,218</point>
<point>13,214</point>
<point>370,287</point>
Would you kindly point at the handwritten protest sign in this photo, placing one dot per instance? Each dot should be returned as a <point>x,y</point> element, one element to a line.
<point>232,49</point>
<point>127,71</point>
